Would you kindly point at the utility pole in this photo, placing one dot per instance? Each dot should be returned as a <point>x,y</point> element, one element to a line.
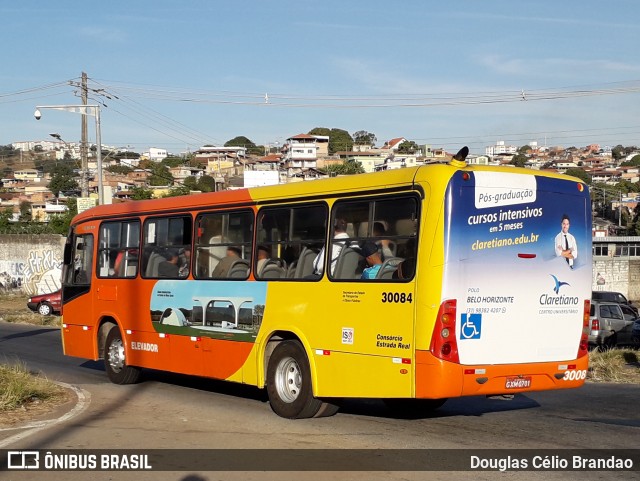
<point>84,181</point>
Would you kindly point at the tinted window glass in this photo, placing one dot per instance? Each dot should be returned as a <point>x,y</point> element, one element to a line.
<point>118,249</point>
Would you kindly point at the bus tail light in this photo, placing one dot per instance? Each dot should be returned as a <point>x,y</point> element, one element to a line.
<point>583,348</point>
<point>443,341</point>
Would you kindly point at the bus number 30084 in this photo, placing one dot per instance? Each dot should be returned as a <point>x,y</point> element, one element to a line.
<point>400,297</point>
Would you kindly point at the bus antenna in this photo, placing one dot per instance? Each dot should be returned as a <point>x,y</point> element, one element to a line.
<point>459,160</point>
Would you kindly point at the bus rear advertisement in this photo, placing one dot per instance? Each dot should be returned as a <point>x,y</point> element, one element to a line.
<point>412,286</point>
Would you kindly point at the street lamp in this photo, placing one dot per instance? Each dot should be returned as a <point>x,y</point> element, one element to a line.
<point>93,110</point>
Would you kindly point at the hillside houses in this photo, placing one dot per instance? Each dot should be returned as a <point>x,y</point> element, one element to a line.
<point>302,157</point>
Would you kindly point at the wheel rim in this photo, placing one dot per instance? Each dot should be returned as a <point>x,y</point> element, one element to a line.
<point>44,309</point>
<point>115,356</point>
<point>288,380</point>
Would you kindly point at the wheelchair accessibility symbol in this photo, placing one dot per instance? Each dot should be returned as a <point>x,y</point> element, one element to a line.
<point>471,326</point>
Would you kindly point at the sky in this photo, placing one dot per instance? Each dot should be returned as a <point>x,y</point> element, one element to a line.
<point>182,74</point>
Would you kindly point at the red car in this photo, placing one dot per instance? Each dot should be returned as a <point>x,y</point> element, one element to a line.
<point>46,304</point>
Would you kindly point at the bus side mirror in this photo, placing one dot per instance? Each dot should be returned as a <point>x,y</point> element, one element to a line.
<point>67,254</point>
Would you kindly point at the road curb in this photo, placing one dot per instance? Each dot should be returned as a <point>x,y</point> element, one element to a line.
<point>83,400</point>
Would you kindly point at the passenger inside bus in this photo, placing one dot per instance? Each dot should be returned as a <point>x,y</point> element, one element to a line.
<point>184,261</point>
<point>374,260</point>
<point>340,232</point>
<point>263,257</point>
<point>385,244</point>
<point>169,267</point>
<point>223,267</point>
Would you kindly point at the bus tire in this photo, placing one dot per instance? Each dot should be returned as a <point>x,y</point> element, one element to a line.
<point>115,364</point>
<point>413,407</point>
<point>327,409</point>
<point>289,382</point>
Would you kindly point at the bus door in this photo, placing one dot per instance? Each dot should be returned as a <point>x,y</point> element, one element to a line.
<point>77,301</point>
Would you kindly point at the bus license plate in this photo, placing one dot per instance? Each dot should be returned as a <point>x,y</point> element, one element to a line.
<point>518,382</point>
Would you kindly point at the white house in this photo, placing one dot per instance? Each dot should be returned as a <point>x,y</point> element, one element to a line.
<point>300,152</point>
<point>500,148</point>
<point>156,155</point>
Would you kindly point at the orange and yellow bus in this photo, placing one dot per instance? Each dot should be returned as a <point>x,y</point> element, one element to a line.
<point>412,285</point>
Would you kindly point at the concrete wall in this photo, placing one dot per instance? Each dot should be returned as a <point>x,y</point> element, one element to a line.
<point>31,263</point>
<point>620,274</point>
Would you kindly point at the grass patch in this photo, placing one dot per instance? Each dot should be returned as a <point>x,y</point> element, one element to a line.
<point>19,388</point>
<point>614,365</point>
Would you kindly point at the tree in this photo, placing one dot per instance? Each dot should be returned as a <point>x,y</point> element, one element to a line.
<point>206,183</point>
<point>141,193</point>
<point>160,175</point>
<point>579,173</point>
<point>625,186</point>
<point>172,161</point>
<point>320,131</point>
<point>634,162</point>
<point>519,160</point>
<point>362,137</point>
<point>242,141</point>
<point>348,167</point>
<point>338,139</point>
<point>617,152</point>
<point>191,182</point>
<point>525,149</point>
<point>239,141</point>
<point>25,211</point>
<point>120,169</point>
<point>59,223</point>
<point>178,191</point>
<point>5,220</point>
<point>408,147</point>
<point>634,227</point>
<point>7,150</point>
<point>62,180</point>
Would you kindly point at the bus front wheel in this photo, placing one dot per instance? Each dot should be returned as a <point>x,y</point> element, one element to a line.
<point>289,384</point>
<point>115,362</point>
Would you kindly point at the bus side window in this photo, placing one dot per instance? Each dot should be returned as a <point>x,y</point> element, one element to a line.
<point>119,243</point>
<point>223,245</point>
<point>167,240</point>
<point>388,222</point>
<point>292,237</point>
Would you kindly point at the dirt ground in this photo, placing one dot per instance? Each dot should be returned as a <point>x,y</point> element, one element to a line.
<point>13,308</point>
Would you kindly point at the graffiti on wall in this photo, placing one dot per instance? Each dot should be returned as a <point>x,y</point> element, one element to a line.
<point>39,274</point>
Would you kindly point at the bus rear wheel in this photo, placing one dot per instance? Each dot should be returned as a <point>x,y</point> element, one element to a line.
<point>115,364</point>
<point>289,384</point>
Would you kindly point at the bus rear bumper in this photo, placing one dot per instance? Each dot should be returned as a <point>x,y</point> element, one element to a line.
<point>436,378</point>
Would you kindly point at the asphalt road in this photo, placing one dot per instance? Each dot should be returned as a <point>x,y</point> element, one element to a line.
<point>172,411</point>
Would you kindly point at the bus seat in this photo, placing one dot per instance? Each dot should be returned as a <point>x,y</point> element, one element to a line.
<point>239,269</point>
<point>305,263</point>
<point>405,227</point>
<point>348,264</point>
<point>152,265</point>
<point>272,271</point>
<point>388,267</point>
<point>363,229</point>
<point>350,230</point>
<point>291,270</point>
